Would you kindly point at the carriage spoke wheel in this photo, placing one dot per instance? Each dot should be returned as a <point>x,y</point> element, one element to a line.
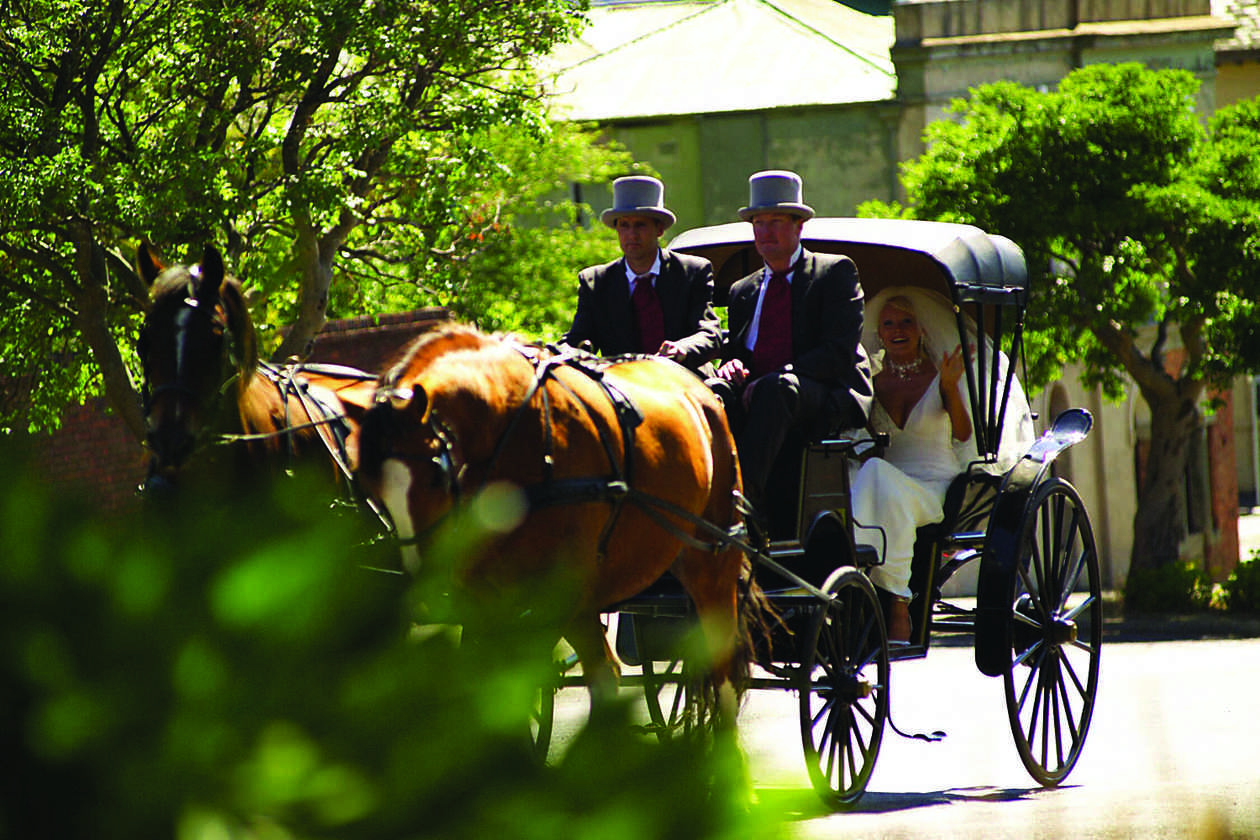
<point>844,688</point>
<point>542,715</point>
<point>1055,632</point>
<point>672,696</point>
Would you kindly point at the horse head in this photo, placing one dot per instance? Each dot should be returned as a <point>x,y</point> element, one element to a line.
<point>427,420</point>
<point>197,347</point>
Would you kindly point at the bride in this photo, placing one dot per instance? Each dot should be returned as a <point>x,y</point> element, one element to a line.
<point>921,405</point>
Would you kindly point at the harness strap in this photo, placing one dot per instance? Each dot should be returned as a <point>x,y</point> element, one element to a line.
<point>628,417</point>
<point>324,410</point>
<point>618,489</point>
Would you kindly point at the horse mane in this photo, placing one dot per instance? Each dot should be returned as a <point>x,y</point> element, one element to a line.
<point>436,340</point>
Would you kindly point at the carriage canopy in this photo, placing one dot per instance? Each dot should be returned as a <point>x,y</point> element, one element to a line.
<point>961,262</point>
<point>983,275</point>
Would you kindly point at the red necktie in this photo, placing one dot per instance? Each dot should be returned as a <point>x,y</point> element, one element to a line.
<point>647,309</point>
<point>773,349</point>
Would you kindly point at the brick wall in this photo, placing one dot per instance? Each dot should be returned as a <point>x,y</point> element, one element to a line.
<point>93,456</point>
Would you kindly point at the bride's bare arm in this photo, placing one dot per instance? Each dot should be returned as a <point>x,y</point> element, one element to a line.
<point>951,395</point>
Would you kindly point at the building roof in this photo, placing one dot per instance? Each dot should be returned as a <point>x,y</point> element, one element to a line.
<point>640,59</point>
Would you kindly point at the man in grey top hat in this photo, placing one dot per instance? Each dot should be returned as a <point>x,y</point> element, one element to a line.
<point>651,300</point>
<point>794,357</point>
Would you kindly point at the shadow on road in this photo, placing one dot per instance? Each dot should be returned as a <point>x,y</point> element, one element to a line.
<point>797,804</point>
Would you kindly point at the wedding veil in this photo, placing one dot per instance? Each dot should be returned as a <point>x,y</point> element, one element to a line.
<point>939,325</point>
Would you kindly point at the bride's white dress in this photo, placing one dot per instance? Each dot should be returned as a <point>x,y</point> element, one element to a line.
<point>906,488</point>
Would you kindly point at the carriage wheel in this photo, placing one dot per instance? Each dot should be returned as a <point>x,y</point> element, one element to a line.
<point>542,714</point>
<point>671,695</point>
<point>844,688</point>
<point>1055,633</point>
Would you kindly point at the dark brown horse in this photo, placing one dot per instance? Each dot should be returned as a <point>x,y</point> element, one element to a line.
<point>629,470</point>
<point>204,384</point>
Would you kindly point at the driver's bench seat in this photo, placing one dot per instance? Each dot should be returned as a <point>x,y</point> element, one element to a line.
<point>809,512</point>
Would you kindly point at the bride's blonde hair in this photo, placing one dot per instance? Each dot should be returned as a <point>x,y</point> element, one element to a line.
<point>904,303</point>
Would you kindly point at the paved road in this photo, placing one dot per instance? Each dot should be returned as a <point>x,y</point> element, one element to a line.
<point>1172,752</point>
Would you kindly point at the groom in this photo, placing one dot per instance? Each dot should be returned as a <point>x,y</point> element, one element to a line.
<point>794,358</point>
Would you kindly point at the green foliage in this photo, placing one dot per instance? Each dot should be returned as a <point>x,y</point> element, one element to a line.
<point>1141,227</point>
<point>1130,213</point>
<point>236,671</point>
<point>1242,588</point>
<point>348,157</point>
<point>1169,588</point>
<point>514,264</point>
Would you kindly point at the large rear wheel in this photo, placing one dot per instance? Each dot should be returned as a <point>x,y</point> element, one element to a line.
<point>844,682</point>
<point>1055,633</point>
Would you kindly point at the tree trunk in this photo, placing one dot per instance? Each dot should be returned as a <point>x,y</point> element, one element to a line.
<point>316,278</point>
<point>1160,522</point>
<point>92,319</point>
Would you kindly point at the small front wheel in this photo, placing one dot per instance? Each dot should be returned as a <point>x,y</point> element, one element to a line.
<point>1054,632</point>
<point>843,686</point>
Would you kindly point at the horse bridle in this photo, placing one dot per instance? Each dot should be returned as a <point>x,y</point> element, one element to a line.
<point>284,380</point>
<point>190,307</point>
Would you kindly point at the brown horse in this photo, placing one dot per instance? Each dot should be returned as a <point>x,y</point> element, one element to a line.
<point>629,470</point>
<point>203,383</point>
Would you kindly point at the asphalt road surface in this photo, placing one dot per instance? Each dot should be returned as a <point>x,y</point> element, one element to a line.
<point>1173,752</point>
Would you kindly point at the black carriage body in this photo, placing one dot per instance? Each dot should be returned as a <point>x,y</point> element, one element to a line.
<point>1027,529</point>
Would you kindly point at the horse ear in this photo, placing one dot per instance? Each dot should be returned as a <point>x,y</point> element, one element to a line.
<point>212,275</point>
<point>244,342</point>
<point>148,266</point>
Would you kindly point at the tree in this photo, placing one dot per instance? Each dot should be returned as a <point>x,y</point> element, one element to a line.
<point>1140,227</point>
<point>371,142</point>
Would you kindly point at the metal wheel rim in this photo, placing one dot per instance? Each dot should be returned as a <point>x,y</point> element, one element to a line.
<point>841,733</point>
<point>1055,633</point>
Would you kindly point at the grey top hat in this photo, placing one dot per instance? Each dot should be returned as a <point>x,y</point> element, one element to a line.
<point>637,195</point>
<point>775,191</point>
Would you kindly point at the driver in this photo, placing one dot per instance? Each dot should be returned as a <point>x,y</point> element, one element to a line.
<point>794,359</point>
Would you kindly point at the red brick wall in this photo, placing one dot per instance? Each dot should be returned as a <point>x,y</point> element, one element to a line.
<point>93,455</point>
<point>369,343</point>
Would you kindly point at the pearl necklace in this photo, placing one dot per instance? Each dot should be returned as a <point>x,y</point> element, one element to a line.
<point>906,370</point>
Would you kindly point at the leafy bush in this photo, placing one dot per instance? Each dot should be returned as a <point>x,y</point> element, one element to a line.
<point>1242,588</point>
<point>239,672</point>
<point>1173,587</point>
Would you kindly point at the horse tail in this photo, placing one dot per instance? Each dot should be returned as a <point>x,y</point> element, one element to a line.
<point>757,619</point>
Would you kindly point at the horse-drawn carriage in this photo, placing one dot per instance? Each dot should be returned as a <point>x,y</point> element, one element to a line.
<point>1037,613</point>
<point>627,470</point>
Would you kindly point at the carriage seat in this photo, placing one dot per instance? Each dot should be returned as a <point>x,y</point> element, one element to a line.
<point>808,505</point>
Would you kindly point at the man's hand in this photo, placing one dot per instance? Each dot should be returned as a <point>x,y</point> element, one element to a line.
<point>670,350</point>
<point>733,372</point>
